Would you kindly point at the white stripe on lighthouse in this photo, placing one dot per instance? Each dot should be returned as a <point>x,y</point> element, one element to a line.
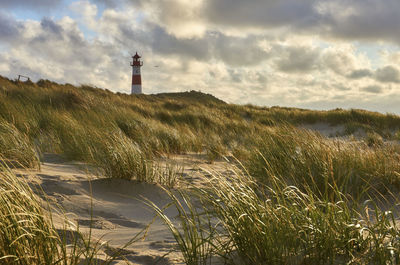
<point>136,89</point>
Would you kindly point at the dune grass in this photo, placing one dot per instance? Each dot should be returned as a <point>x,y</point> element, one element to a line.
<point>16,148</point>
<point>305,158</point>
<point>76,121</point>
<point>29,237</point>
<point>300,198</point>
<point>194,232</point>
<point>280,224</point>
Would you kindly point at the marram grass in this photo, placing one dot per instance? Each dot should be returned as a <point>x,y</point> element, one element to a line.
<point>280,224</point>
<point>28,235</point>
<point>305,200</point>
<point>64,118</point>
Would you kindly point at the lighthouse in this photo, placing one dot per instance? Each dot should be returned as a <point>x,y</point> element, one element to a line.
<point>136,77</point>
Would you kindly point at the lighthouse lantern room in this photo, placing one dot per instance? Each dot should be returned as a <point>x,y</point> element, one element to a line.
<point>136,77</point>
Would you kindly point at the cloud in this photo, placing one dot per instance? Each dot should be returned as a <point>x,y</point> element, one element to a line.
<point>232,50</point>
<point>158,39</point>
<point>388,74</point>
<point>341,87</point>
<point>114,3</point>
<point>372,89</point>
<point>298,59</point>
<point>29,4</point>
<point>340,60</point>
<point>370,20</point>
<point>87,12</point>
<point>367,20</point>
<point>237,51</point>
<point>360,73</point>
<point>261,13</point>
<point>58,50</point>
<point>9,27</point>
<point>266,52</point>
<point>50,26</point>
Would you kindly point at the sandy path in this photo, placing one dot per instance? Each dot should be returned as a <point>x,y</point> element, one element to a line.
<point>114,208</point>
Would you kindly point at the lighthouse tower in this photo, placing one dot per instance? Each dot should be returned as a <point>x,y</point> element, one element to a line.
<point>136,77</point>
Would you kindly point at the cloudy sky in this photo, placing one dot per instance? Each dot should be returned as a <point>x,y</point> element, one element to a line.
<point>319,54</point>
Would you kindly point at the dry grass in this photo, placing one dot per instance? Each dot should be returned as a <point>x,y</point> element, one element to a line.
<point>301,200</point>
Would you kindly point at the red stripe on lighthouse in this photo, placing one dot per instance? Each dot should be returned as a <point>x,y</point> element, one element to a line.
<point>136,80</point>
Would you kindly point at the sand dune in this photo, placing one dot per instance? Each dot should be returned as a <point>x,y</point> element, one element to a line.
<point>114,208</point>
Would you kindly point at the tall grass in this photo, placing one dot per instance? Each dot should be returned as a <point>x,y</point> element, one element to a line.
<point>64,118</point>
<point>280,224</point>
<point>28,235</point>
<point>305,158</point>
<point>300,203</point>
<point>16,148</point>
<point>192,228</point>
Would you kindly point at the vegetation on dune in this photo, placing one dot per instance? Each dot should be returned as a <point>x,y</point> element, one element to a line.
<point>77,121</point>
<point>306,159</point>
<point>28,235</point>
<point>16,148</point>
<point>298,198</point>
<point>280,224</point>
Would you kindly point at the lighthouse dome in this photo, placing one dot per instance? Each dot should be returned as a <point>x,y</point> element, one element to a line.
<point>136,56</point>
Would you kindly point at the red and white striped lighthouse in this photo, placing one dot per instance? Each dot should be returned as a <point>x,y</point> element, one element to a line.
<point>136,77</point>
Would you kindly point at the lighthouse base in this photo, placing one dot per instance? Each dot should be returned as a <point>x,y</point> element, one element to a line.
<point>136,89</point>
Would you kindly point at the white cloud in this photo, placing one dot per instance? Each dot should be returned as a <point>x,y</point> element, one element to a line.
<point>87,12</point>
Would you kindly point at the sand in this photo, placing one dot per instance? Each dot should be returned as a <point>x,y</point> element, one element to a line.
<point>114,208</point>
<point>325,129</point>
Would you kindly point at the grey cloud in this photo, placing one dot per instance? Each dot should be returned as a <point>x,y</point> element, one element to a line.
<point>298,59</point>
<point>262,13</point>
<point>35,4</point>
<point>372,89</point>
<point>360,73</point>
<point>165,43</point>
<point>9,27</point>
<point>161,42</point>
<point>341,87</point>
<point>339,97</point>
<point>388,74</point>
<point>236,76</point>
<point>372,20</point>
<point>49,25</point>
<point>237,51</point>
<point>114,3</point>
<point>261,78</point>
